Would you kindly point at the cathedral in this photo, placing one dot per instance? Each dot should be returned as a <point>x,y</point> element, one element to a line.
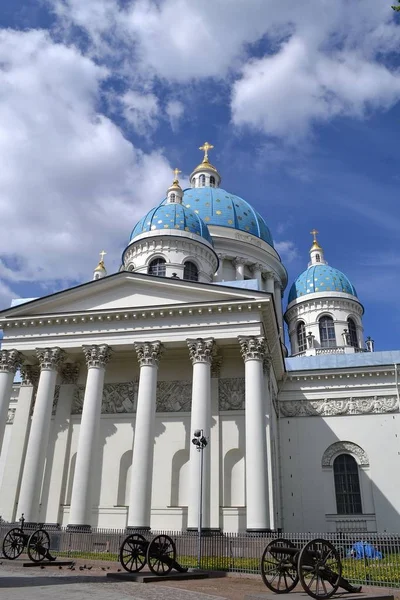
<point>164,393</point>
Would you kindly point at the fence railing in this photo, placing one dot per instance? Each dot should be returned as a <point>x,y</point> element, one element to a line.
<point>369,559</point>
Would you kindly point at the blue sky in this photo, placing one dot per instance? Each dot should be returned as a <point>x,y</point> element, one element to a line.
<point>100,99</point>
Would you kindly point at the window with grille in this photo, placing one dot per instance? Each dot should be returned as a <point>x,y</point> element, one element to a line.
<point>347,485</point>
<point>190,272</point>
<point>327,332</point>
<point>212,181</point>
<point>202,180</point>
<point>318,257</point>
<point>157,267</point>
<point>172,198</point>
<point>352,332</point>
<point>301,337</point>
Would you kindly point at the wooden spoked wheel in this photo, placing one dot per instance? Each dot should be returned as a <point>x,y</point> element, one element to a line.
<point>320,569</point>
<point>132,554</point>
<point>278,567</point>
<point>38,545</point>
<point>161,555</point>
<point>13,543</point>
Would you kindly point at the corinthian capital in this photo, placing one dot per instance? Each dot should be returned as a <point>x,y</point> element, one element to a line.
<point>149,353</point>
<point>97,356</point>
<point>201,350</point>
<point>70,373</point>
<point>30,375</point>
<point>50,359</point>
<point>252,348</point>
<point>10,361</point>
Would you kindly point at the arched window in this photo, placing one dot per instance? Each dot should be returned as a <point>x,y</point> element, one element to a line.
<point>202,180</point>
<point>157,267</point>
<point>172,198</point>
<point>327,332</point>
<point>347,485</point>
<point>301,337</point>
<point>212,181</point>
<point>318,257</point>
<point>352,332</point>
<point>190,272</point>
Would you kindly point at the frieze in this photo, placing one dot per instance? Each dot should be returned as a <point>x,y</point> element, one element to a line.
<point>117,398</point>
<point>231,393</point>
<point>174,396</point>
<point>345,406</point>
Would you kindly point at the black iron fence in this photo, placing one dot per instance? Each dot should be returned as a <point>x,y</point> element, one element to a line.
<point>367,558</point>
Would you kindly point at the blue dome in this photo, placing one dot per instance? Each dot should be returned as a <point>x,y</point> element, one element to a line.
<point>218,207</point>
<point>320,278</point>
<point>172,216</point>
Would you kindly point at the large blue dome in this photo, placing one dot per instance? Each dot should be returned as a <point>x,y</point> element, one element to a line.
<point>175,217</point>
<point>320,278</point>
<point>216,206</point>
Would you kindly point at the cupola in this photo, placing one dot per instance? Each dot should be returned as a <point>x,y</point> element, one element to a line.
<point>205,174</point>
<point>175,192</point>
<point>100,270</point>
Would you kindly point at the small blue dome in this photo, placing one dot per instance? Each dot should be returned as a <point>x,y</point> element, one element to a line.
<point>172,216</point>
<point>320,278</point>
<point>218,207</point>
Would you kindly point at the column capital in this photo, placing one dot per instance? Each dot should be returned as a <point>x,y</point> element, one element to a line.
<point>10,361</point>
<point>97,356</point>
<point>50,359</point>
<point>257,267</point>
<point>70,373</point>
<point>201,350</point>
<point>252,347</point>
<point>239,261</point>
<point>149,353</point>
<point>30,375</point>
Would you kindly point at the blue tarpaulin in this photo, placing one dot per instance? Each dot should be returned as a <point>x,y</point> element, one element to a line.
<point>364,550</point>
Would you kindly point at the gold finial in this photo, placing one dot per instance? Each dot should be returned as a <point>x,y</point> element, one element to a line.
<point>206,147</point>
<point>315,245</point>
<point>176,173</point>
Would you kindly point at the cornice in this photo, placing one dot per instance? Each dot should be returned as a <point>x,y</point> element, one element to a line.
<point>328,407</point>
<point>340,375</point>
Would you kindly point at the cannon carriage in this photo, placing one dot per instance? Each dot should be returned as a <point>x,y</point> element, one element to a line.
<point>37,543</point>
<point>317,566</point>
<point>159,554</point>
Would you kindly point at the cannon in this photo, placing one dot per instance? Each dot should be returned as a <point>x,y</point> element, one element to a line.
<point>159,554</point>
<point>36,543</point>
<point>317,565</point>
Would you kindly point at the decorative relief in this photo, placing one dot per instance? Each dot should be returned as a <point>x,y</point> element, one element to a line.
<point>50,359</point>
<point>149,353</point>
<point>11,416</point>
<point>70,373</point>
<point>117,398</point>
<point>344,447</point>
<point>201,350</point>
<point>97,356</point>
<point>10,361</point>
<point>345,406</point>
<point>231,393</point>
<point>30,375</point>
<point>174,396</point>
<point>252,348</point>
<point>248,238</point>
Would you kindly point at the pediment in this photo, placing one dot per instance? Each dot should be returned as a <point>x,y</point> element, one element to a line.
<point>128,291</point>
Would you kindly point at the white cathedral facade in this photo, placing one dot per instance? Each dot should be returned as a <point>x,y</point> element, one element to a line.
<point>118,373</point>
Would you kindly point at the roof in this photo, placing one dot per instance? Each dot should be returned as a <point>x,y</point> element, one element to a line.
<point>342,361</point>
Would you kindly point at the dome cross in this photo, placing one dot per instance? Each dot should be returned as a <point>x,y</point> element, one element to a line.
<point>102,255</point>
<point>314,233</point>
<point>206,147</point>
<point>176,173</point>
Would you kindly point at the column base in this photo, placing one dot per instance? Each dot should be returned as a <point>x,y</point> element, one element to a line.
<point>256,530</point>
<point>204,530</point>
<point>78,528</point>
<point>133,528</point>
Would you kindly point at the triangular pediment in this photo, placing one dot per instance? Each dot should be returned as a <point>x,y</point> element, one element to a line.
<point>129,291</point>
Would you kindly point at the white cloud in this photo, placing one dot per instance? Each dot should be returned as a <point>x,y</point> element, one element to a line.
<point>287,251</point>
<point>70,183</point>
<point>174,110</point>
<point>6,295</point>
<point>141,111</point>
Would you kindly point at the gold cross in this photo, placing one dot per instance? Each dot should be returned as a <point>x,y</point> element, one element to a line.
<point>206,147</point>
<point>314,233</point>
<point>176,173</point>
<point>102,255</point>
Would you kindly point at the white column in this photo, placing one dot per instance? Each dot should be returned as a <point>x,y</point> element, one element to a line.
<point>239,266</point>
<point>201,352</point>
<point>257,272</point>
<point>148,354</point>
<point>270,433</point>
<point>269,283</point>
<point>97,358</point>
<point>17,447</point>
<point>278,303</point>
<point>214,445</point>
<point>50,360</point>
<point>60,440</point>
<point>10,361</point>
<point>219,275</point>
<point>253,351</point>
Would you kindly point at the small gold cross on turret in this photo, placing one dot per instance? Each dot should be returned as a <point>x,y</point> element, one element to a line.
<point>314,233</point>
<point>176,173</point>
<point>206,147</point>
<point>102,255</point>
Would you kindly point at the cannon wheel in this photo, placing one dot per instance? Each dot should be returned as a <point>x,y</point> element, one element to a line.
<point>161,555</point>
<point>320,568</point>
<point>132,554</point>
<point>38,545</point>
<point>13,543</point>
<point>278,569</point>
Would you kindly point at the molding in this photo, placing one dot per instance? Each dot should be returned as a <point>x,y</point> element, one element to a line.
<point>344,448</point>
<point>345,406</point>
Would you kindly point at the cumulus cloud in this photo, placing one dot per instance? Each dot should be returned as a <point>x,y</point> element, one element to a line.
<point>70,182</point>
<point>141,111</point>
<point>287,250</point>
<point>174,110</point>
